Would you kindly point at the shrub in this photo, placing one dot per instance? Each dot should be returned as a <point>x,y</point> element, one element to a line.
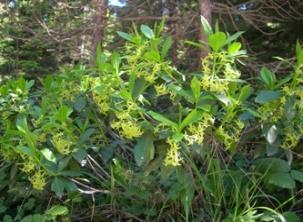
<point>180,129</point>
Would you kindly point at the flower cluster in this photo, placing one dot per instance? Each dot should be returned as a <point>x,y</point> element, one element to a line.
<point>195,132</point>
<point>173,157</point>
<point>63,143</point>
<point>125,124</point>
<point>218,72</point>
<point>230,133</point>
<point>38,180</point>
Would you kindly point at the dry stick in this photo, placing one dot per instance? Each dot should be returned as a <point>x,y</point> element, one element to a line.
<point>93,208</point>
<point>98,165</point>
<point>95,171</point>
<point>91,189</point>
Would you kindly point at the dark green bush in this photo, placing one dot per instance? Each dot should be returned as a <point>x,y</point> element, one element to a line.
<point>156,143</point>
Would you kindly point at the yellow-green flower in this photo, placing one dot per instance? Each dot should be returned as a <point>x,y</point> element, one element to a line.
<point>291,140</point>
<point>38,180</point>
<point>28,165</point>
<point>62,143</point>
<point>172,156</point>
<point>195,132</point>
<point>161,89</point>
<point>127,128</point>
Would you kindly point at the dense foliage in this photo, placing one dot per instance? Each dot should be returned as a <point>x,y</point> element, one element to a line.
<point>150,143</point>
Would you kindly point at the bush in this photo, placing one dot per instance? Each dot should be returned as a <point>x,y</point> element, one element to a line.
<point>155,143</point>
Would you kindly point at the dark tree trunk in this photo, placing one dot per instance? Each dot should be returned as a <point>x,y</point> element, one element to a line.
<point>205,11</point>
<point>99,25</point>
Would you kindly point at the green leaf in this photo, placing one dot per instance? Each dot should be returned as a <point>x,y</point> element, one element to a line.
<point>285,80</point>
<point>27,151</point>
<point>79,155</point>
<point>79,104</point>
<point>7,218</point>
<point>144,150</point>
<point>272,165</point>
<point>299,53</point>
<point>147,31</point>
<point>234,47</point>
<point>126,36</point>
<point>283,180</point>
<point>252,112</point>
<point>70,173</point>
<point>49,155</point>
<point>180,91</point>
<point>267,96</point>
<point>217,40</point>
<point>86,135</point>
<point>58,186</point>
<point>271,134</point>
<point>268,77</point>
<point>245,93</point>
<point>63,163</point>
<point>57,210</point>
<point>166,46</point>
<point>177,137</point>
<point>21,124</point>
<point>192,117</point>
<point>152,55</point>
<point>101,59</point>
<point>196,88</point>
<point>206,26</point>
<point>186,198</point>
<point>291,217</point>
<point>116,60</point>
<point>63,113</point>
<point>297,175</point>
<point>33,218</point>
<point>298,48</point>
<point>139,87</point>
<point>233,38</point>
<point>70,186</point>
<point>272,149</point>
<point>163,119</point>
<point>300,58</point>
<point>223,98</point>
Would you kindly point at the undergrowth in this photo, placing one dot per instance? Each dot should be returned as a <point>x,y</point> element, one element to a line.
<point>135,139</point>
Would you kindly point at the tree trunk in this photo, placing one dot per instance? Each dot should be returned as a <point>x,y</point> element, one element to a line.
<point>205,11</point>
<point>99,25</point>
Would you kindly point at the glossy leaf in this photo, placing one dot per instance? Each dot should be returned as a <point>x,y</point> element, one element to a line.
<point>192,117</point>
<point>271,134</point>
<point>49,155</point>
<point>57,210</point>
<point>291,217</point>
<point>272,165</point>
<point>21,124</point>
<point>217,40</point>
<point>283,180</point>
<point>245,93</point>
<point>234,47</point>
<point>147,31</point>
<point>144,150</point>
<point>267,96</point>
<point>63,113</point>
<point>125,36</point>
<point>166,46</point>
<point>196,88</point>
<point>206,26</point>
<point>162,119</point>
<point>297,175</point>
<point>27,151</point>
<point>233,38</point>
<point>268,77</point>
